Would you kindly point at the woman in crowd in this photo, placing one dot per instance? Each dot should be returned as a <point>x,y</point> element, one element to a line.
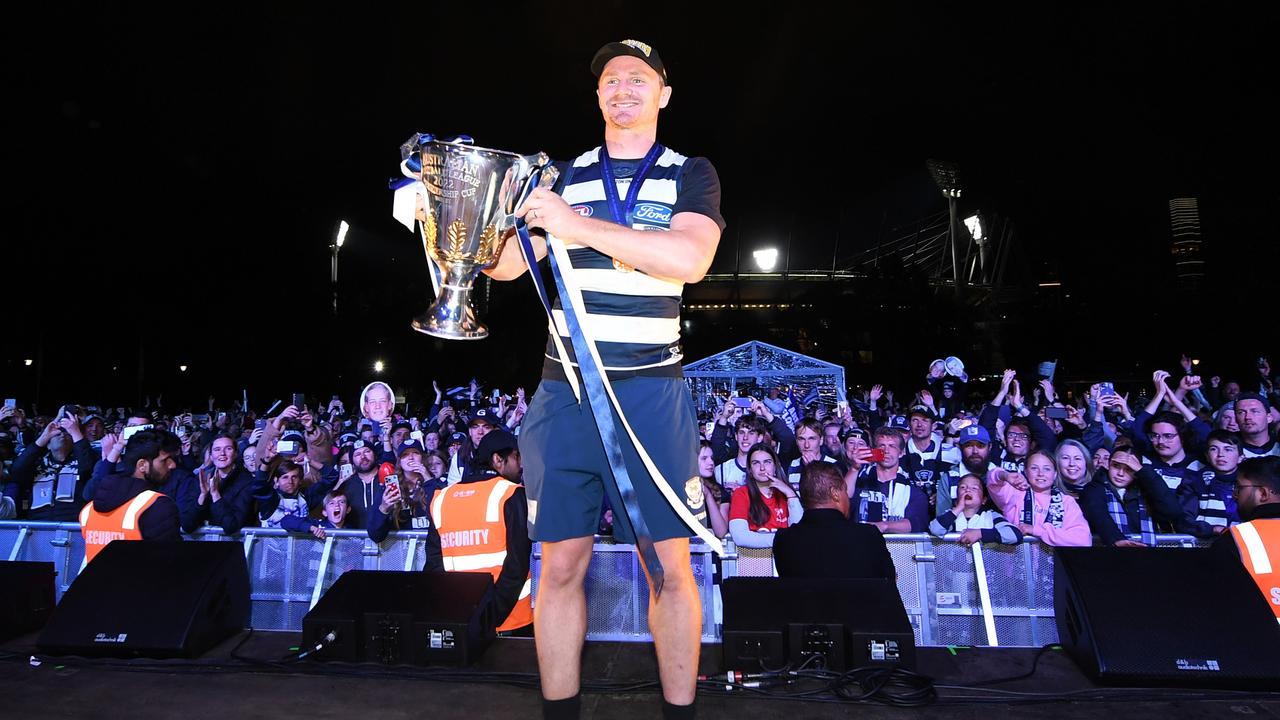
<point>226,489</point>
<point>404,506</point>
<point>975,517</point>
<point>1225,418</point>
<point>1074,464</point>
<point>716,496</point>
<point>1038,502</point>
<point>1101,458</point>
<point>766,503</point>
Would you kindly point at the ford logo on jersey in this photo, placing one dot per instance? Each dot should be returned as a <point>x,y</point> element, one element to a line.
<point>583,210</point>
<point>652,212</point>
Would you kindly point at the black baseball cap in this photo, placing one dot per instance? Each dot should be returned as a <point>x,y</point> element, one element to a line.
<point>1254,396</point>
<point>484,414</point>
<point>635,49</point>
<point>923,411</point>
<point>496,441</point>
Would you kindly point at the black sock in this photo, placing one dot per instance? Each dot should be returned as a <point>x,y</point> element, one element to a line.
<point>677,712</point>
<point>569,708</point>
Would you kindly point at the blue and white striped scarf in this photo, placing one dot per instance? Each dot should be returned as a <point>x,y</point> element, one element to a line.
<point>1121,518</point>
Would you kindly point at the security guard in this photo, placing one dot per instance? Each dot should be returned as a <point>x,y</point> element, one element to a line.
<point>481,526</point>
<point>128,506</point>
<point>1256,542</point>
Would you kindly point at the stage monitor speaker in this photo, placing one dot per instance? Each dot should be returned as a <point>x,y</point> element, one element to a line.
<point>390,617</point>
<point>27,597</point>
<point>1164,616</point>
<point>152,599</point>
<point>836,624</point>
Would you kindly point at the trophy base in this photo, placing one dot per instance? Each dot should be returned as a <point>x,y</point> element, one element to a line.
<point>428,325</point>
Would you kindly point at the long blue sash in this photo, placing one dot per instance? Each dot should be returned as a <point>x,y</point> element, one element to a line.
<point>599,401</point>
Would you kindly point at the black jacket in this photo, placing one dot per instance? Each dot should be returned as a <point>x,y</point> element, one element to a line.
<point>826,544</point>
<point>235,509</point>
<point>159,522</point>
<point>22,477</point>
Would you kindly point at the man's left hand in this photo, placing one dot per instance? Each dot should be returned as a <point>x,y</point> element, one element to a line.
<point>548,211</point>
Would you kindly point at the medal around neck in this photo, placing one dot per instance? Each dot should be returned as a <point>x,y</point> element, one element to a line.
<point>471,195</point>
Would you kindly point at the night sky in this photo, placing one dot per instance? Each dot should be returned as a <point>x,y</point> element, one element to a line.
<point>176,179</point>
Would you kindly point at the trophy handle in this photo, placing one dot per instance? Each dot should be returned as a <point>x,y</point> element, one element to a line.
<point>542,174</point>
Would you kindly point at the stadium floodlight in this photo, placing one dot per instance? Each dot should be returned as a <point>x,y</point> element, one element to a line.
<point>766,259</point>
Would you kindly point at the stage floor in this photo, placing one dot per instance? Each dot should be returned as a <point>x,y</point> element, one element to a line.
<point>218,686</point>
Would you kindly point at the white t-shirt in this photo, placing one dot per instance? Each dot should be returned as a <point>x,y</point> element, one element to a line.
<point>731,475</point>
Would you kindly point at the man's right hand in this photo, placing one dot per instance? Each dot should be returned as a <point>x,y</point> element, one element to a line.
<point>289,413</point>
<point>1017,481</point>
<point>877,391</point>
<point>1007,379</point>
<point>1157,379</point>
<point>112,447</point>
<point>49,431</point>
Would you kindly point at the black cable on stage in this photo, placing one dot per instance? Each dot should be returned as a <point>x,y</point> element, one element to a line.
<point>1035,663</point>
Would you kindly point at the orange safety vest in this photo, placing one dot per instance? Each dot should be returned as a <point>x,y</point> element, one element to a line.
<point>1258,542</point>
<point>99,529</point>
<point>473,536</point>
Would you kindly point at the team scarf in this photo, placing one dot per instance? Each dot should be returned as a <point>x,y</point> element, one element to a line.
<point>1121,518</point>
<point>1056,513</point>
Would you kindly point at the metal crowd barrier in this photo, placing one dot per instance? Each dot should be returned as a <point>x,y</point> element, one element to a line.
<point>936,579</point>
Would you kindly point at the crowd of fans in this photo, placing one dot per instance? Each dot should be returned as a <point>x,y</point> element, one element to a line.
<point>306,468</point>
<point>1068,470</point>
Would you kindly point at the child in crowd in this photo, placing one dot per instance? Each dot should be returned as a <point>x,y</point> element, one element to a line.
<point>975,517</point>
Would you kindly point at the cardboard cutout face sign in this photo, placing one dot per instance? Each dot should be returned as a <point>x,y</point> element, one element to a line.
<point>377,401</point>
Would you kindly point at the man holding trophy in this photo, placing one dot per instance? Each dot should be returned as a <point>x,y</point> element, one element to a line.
<point>598,223</point>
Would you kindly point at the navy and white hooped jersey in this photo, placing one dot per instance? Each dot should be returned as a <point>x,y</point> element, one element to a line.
<point>1175,475</point>
<point>1249,451</point>
<point>634,317</point>
<point>797,467</point>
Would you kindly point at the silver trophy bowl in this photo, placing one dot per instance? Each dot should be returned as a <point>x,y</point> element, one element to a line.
<point>471,197</point>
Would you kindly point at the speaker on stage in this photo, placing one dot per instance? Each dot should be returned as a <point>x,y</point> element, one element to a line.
<point>845,623</point>
<point>390,617</point>
<point>152,599</point>
<point>27,597</point>
<point>1163,616</point>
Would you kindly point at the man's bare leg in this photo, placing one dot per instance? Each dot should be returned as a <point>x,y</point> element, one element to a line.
<point>675,621</point>
<point>560,616</point>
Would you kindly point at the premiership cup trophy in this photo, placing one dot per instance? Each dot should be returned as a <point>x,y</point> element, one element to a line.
<point>471,197</point>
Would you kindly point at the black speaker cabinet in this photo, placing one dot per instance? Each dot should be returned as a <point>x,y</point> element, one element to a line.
<point>390,617</point>
<point>152,599</point>
<point>27,597</point>
<point>1164,616</point>
<point>845,623</point>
